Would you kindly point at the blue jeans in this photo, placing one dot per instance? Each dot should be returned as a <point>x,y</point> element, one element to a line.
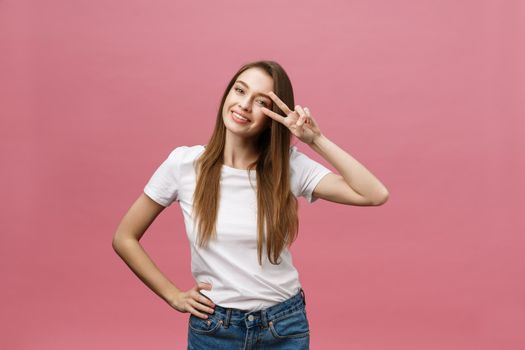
<point>281,326</point>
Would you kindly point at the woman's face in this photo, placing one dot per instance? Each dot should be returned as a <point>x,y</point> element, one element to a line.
<point>246,98</point>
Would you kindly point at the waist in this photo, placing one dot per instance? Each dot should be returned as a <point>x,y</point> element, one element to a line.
<point>261,317</point>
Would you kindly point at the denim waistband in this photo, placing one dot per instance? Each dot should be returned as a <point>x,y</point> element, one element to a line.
<point>260,317</point>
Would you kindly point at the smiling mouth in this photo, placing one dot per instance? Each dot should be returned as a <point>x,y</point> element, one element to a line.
<point>240,117</point>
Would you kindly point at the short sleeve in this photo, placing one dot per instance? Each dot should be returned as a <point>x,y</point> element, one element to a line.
<point>306,174</point>
<point>163,185</point>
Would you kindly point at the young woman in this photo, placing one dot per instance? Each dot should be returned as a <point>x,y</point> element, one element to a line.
<point>238,194</point>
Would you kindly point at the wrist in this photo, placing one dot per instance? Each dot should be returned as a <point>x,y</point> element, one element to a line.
<point>317,141</point>
<point>171,294</point>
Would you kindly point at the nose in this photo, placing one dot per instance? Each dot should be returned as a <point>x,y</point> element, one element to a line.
<point>245,104</point>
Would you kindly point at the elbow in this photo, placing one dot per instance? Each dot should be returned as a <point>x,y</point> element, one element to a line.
<point>121,241</point>
<point>115,243</point>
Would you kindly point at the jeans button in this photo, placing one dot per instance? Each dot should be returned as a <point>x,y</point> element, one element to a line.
<point>250,318</point>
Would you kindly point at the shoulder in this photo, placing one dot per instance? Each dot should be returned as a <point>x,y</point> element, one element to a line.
<point>306,167</point>
<point>299,163</point>
<point>184,152</point>
<point>298,158</point>
<point>294,153</point>
<point>188,149</point>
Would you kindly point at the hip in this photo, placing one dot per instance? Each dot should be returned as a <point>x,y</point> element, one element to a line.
<point>282,325</point>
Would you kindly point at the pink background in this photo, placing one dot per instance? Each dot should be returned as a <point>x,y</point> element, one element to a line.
<point>428,95</point>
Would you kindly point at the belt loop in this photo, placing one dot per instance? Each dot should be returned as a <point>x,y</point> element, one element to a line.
<point>228,316</point>
<point>304,297</point>
<point>263,318</point>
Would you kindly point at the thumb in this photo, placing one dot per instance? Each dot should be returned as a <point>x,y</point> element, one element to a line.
<point>204,285</point>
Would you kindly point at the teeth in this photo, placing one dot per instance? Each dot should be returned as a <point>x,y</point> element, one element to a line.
<point>238,116</point>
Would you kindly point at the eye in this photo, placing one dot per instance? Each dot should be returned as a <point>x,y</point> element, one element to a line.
<point>263,103</point>
<point>238,89</point>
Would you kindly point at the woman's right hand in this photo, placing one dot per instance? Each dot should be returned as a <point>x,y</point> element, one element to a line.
<point>193,301</point>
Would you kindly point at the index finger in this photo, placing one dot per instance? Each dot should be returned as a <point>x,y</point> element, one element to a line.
<point>279,103</point>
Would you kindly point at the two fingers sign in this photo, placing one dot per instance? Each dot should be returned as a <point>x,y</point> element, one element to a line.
<point>299,121</point>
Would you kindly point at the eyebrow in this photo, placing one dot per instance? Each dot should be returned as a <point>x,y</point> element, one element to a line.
<point>258,93</point>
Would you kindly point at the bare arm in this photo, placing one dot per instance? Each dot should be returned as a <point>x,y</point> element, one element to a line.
<point>355,186</point>
<point>126,243</point>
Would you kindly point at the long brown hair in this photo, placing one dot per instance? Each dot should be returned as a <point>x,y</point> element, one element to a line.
<point>276,204</point>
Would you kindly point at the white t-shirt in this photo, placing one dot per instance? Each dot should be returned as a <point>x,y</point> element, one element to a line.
<point>230,263</point>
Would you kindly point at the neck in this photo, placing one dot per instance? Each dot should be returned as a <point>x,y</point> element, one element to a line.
<point>239,152</point>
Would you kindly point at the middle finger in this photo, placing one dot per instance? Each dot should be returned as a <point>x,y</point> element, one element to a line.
<point>203,307</point>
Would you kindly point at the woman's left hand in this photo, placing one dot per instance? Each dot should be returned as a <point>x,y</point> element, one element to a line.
<point>299,121</point>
